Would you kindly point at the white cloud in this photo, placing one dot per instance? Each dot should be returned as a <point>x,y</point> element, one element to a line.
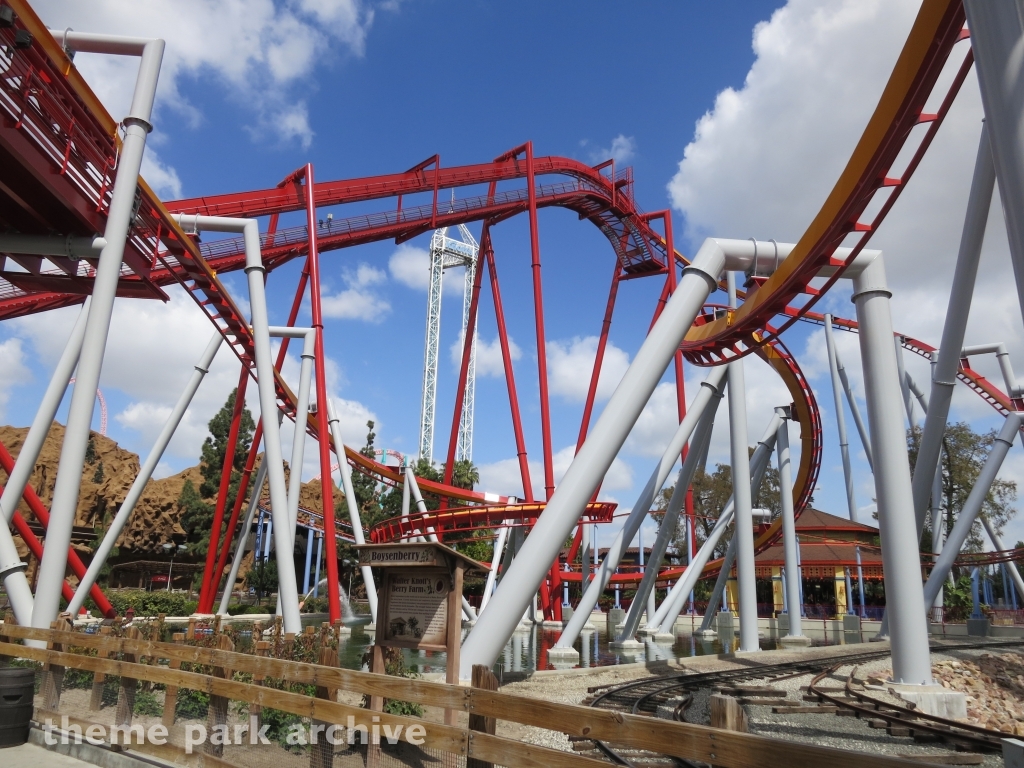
<point>162,178</point>
<point>256,49</point>
<point>358,301</point>
<point>792,126</point>
<point>410,265</point>
<point>622,150</point>
<point>13,370</point>
<point>488,355</point>
<point>571,363</point>
<point>504,476</point>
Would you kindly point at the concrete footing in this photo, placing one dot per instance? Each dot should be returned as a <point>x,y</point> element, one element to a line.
<point>933,699</point>
<point>979,627</point>
<point>616,617</point>
<point>663,637</point>
<point>795,641</point>
<point>706,634</point>
<point>552,624</point>
<point>563,655</point>
<point>627,645</point>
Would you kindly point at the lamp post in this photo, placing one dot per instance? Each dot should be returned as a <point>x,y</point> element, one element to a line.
<point>173,550</point>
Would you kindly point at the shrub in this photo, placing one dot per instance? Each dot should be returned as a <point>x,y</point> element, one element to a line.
<point>149,603</point>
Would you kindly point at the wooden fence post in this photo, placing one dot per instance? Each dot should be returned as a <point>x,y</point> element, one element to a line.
<point>53,675</point>
<point>322,753</point>
<point>255,710</point>
<point>218,714</point>
<point>171,696</point>
<point>99,679</point>
<point>727,713</point>
<point>484,679</point>
<point>126,694</point>
<point>190,633</point>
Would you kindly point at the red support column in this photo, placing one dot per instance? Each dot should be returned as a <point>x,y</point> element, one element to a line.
<point>467,348</point>
<point>209,583</point>
<point>36,548</point>
<point>322,425</point>
<point>35,505</point>
<point>538,313</point>
<point>510,379</point>
<point>243,486</point>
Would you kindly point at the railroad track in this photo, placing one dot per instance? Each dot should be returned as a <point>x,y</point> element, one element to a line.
<point>645,697</point>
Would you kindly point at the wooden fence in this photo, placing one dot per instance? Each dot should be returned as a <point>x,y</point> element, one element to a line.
<point>136,660</point>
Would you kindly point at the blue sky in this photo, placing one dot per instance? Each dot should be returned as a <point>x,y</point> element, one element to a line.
<point>738,115</point>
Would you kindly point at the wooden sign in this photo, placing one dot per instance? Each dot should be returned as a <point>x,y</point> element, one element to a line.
<point>415,607</point>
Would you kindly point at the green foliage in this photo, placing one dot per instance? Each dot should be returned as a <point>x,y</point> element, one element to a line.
<point>90,450</point>
<point>77,678</point>
<point>191,705</point>
<point>241,610</point>
<point>196,506</point>
<point>465,474</point>
<point>147,704</point>
<point>149,603</point>
<point>97,476</point>
<point>262,579</point>
<point>964,453</point>
<point>394,664</point>
<point>315,605</point>
<point>957,600</point>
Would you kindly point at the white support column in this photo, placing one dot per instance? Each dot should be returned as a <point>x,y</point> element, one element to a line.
<point>795,634</point>
<point>997,543</point>
<point>487,639</point>
<point>102,552</point>
<point>945,368</point>
<point>108,271</point>
<point>911,658</point>
<point>243,537</point>
<point>492,574</point>
<point>640,508</point>
<point>744,528</point>
<point>972,507</point>
<point>666,531</point>
<point>672,605</point>
<point>29,453</point>
<point>353,509</point>
<point>997,34</point>
<point>288,592</point>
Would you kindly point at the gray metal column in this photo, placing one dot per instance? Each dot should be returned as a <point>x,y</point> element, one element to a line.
<point>640,508</point>
<point>309,560</point>
<point>716,593</point>
<point>997,30</point>
<point>108,271</point>
<point>99,557</point>
<point>972,507</point>
<point>488,637</point>
<point>701,438</point>
<point>744,528</point>
<point>945,368</point>
<point>353,510</point>
<point>911,661</point>
<point>788,517</point>
<point>243,537</point>
<point>672,605</point>
<point>844,444</point>
<point>997,542</point>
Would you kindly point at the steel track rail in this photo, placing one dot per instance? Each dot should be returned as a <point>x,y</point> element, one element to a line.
<point>640,700</point>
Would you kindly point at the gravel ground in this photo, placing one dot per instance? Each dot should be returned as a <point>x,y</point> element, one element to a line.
<point>832,731</point>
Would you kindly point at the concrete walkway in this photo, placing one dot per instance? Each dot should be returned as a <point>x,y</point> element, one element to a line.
<point>31,756</point>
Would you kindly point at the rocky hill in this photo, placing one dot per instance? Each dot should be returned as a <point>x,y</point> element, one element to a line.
<point>107,477</point>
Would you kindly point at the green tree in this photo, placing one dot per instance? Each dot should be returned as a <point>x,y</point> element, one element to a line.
<point>197,506</point>
<point>964,453</point>
<point>465,474</point>
<point>262,578</point>
<point>711,492</point>
<point>90,450</point>
<point>97,476</point>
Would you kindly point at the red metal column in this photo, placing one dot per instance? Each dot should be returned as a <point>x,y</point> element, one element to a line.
<point>467,348</point>
<point>602,343</point>
<point>538,312</point>
<point>588,407</point>
<point>35,505</point>
<point>209,583</point>
<point>322,425</point>
<point>510,380</point>
<point>36,548</point>
<point>243,486</point>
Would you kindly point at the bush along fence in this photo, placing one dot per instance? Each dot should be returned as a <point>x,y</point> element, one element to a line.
<point>199,701</point>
